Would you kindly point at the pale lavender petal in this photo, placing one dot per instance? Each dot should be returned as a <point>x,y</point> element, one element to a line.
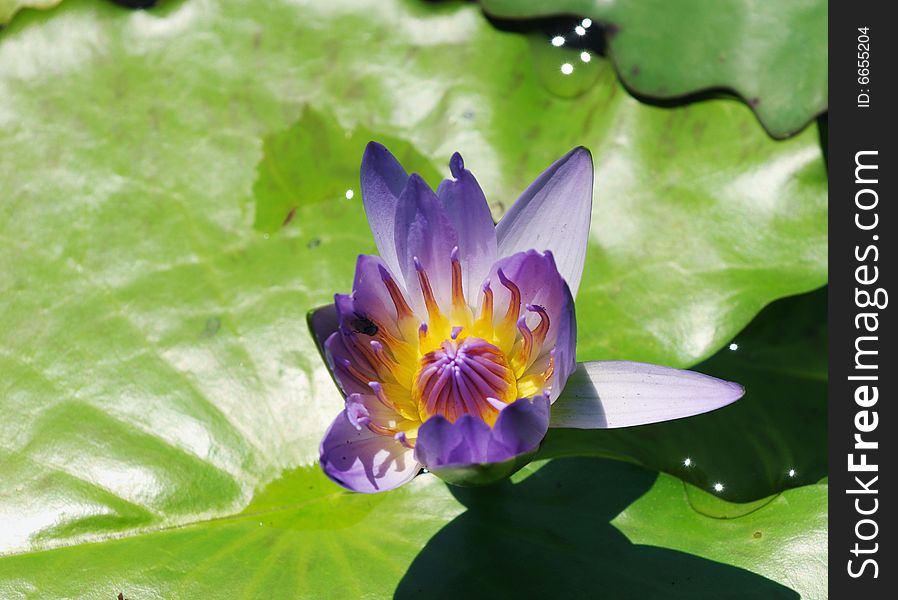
<point>382,181</point>
<point>469,213</point>
<point>424,232</point>
<point>520,428</point>
<point>363,461</point>
<point>441,443</point>
<point>554,214</point>
<point>609,394</point>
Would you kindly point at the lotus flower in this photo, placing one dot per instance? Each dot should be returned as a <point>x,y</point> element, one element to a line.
<point>455,348</point>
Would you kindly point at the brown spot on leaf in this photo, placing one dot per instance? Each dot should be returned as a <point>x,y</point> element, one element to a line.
<point>290,214</point>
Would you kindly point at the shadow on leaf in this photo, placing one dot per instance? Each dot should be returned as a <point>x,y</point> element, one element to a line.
<point>518,539</point>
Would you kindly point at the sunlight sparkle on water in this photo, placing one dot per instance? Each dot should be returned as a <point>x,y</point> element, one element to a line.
<point>734,346</point>
<point>586,23</point>
<point>557,41</point>
<point>585,56</point>
<point>687,462</point>
<point>718,487</point>
<point>349,194</point>
<point>567,68</point>
<point>579,30</point>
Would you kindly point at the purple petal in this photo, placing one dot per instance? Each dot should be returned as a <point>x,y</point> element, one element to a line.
<point>322,323</point>
<point>540,283</point>
<point>554,214</point>
<point>441,443</point>
<point>609,394</point>
<point>466,207</point>
<point>565,352</point>
<point>363,461</point>
<point>424,231</point>
<point>371,299</point>
<point>382,181</point>
<point>520,428</point>
<point>344,362</point>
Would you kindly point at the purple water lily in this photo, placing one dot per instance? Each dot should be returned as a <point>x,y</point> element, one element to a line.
<point>457,341</point>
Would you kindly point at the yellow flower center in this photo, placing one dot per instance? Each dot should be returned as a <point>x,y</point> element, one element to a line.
<point>456,364</point>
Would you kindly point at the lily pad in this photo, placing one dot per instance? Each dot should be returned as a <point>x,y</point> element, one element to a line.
<point>773,439</point>
<point>157,368</point>
<point>8,8</point>
<point>597,527</point>
<point>773,55</point>
<point>785,539</point>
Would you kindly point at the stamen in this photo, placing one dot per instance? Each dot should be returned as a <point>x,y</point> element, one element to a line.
<point>397,371</point>
<point>381,395</point>
<point>434,379</point>
<point>351,368</point>
<point>402,307</point>
<point>402,439</point>
<point>458,294</point>
<point>522,359</point>
<point>380,429</point>
<point>537,383</point>
<point>404,315</point>
<point>455,332</point>
<point>363,357</point>
<point>484,325</point>
<point>435,315</point>
<point>401,350</point>
<point>514,304</point>
<point>382,356</point>
<point>400,396</point>
<point>550,370</point>
<point>461,312</point>
<point>539,334</point>
<point>506,331</point>
<point>458,377</point>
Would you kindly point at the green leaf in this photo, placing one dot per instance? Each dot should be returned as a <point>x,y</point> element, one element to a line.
<point>774,438</point>
<point>784,540</point>
<point>313,162</point>
<point>8,8</point>
<point>773,55</point>
<point>570,528</point>
<point>157,369</point>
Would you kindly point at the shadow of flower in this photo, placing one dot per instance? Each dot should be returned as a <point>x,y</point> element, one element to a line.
<point>550,536</point>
